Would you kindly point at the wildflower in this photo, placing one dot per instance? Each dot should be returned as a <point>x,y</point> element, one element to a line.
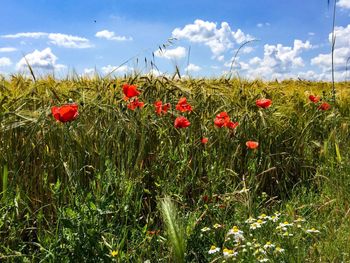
<point>263,216</point>
<point>130,91</point>
<point>183,106</point>
<point>263,103</point>
<point>275,217</point>
<point>238,234</point>
<point>65,113</point>
<point>284,225</point>
<point>221,119</point>
<point>312,230</point>
<point>279,250</point>
<point>287,234</point>
<point>252,144</point>
<point>229,253</point>
<point>314,99</point>
<point>250,220</point>
<point>181,122</point>
<point>259,251</point>
<point>262,259</point>
<point>161,108</point>
<point>324,106</point>
<point>205,229</point>
<point>204,140</point>
<point>255,226</point>
<point>135,104</point>
<point>216,226</point>
<point>269,245</point>
<point>213,249</point>
<point>232,125</point>
<point>299,219</point>
<point>114,253</point>
<point>261,222</point>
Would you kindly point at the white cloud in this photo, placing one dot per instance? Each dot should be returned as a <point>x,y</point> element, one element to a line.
<point>44,59</point>
<point>89,72</point>
<point>175,53</point>
<point>218,39</point>
<point>278,61</point>
<point>341,51</point>
<point>345,4</point>
<point>58,39</point>
<point>260,25</point>
<point>5,62</point>
<point>68,41</point>
<point>26,35</point>
<point>109,35</point>
<point>221,58</point>
<point>155,73</point>
<point>193,68</point>
<point>7,49</point>
<point>116,70</point>
<point>247,50</point>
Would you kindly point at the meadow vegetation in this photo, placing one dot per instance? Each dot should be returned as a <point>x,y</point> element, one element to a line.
<point>120,183</point>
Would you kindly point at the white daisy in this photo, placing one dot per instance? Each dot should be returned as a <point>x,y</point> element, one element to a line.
<point>213,249</point>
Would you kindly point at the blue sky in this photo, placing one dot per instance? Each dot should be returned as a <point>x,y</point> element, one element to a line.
<point>84,36</point>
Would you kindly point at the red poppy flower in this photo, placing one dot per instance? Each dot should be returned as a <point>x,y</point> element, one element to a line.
<point>161,108</point>
<point>324,106</point>
<point>204,140</point>
<point>263,103</point>
<point>130,91</point>
<point>183,106</point>
<point>181,122</point>
<point>135,104</point>
<point>252,144</point>
<point>314,99</point>
<point>65,113</point>
<point>232,125</point>
<point>221,119</point>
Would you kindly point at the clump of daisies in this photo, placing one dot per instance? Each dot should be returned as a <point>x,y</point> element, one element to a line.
<point>265,238</point>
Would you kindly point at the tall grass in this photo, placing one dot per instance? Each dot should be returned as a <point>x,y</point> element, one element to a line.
<point>84,189</point>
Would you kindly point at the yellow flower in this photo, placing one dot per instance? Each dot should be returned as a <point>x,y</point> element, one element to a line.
<point>114,253</point>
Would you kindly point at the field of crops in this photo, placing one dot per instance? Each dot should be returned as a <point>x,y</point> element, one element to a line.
<point>174,170</point>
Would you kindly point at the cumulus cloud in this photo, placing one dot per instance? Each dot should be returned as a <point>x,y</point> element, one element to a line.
<point>193,68</point>
<point>58,39</point>
<point>175,53</point>
<point>68,41</point>
<point>345,4</point>
<point>110,35</point>
<point>218,38</point>
<point>278,60</point>
<point>341,51</point>
<point>116,70</point>
<point>7,49</point>
<point>44,59</point>
<point>5,62</point>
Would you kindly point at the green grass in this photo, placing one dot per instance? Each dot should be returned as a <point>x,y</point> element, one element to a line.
<point>77,192</point>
